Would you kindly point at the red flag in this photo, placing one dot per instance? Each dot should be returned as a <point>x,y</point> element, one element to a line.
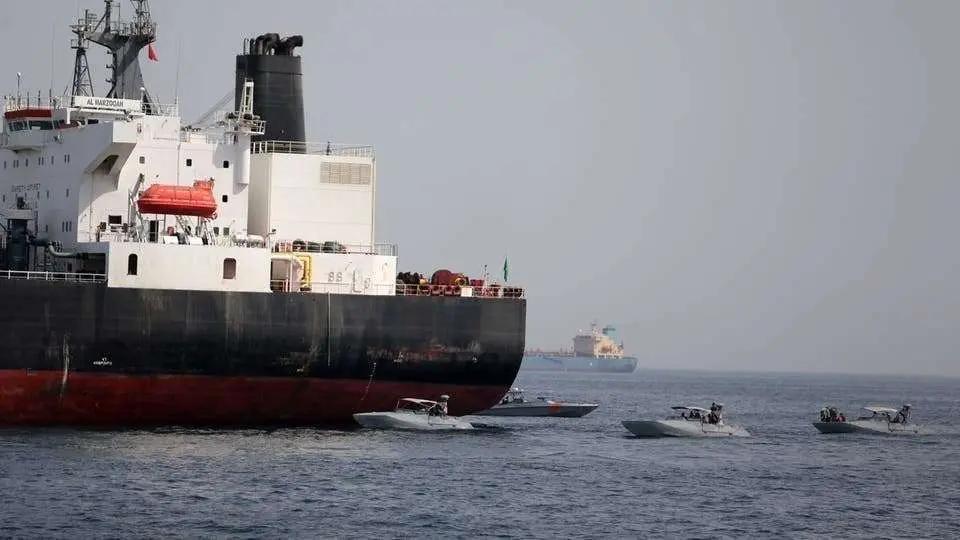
<point>151,54</point>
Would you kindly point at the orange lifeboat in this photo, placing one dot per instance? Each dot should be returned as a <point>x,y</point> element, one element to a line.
<point>196,200</point>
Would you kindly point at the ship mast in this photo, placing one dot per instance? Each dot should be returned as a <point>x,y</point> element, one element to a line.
<point>82,82</point>
<point>124,40</point>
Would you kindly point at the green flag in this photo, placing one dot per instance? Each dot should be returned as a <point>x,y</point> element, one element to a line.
<point>506,269</point>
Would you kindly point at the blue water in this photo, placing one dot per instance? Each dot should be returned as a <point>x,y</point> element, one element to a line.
<point>521,478</point>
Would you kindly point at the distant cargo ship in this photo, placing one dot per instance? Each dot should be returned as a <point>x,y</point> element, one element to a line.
<point>596,350</point>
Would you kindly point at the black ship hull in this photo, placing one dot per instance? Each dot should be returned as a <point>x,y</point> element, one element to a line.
<point>88,354</point>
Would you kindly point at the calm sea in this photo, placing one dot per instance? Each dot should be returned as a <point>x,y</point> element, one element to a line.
<point>519,478</point>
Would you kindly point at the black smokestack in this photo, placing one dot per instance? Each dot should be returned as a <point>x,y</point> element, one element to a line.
<point>277,85</point>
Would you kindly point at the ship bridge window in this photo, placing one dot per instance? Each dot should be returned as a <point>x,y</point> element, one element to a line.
<point>132,264</point>
<point>229,268</point>
<point>38,124</point>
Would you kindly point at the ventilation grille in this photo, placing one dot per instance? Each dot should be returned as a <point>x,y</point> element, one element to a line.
<point>345,173</point>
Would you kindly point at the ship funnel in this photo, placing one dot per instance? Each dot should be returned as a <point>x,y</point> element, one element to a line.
<point>278,89</point>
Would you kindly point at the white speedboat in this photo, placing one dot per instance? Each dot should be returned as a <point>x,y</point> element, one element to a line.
<point>514,404</point>
<point>879,420</point>
<point>415,414</point>
<point>692,422</point>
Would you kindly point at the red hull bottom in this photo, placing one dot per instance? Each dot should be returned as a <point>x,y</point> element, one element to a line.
<point>129,401</point>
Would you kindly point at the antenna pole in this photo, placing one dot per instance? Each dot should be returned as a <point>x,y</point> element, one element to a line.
<point>176,86</point>
<point>53,56</point>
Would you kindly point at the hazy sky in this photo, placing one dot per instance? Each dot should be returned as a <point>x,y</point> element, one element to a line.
<point>734,185</point>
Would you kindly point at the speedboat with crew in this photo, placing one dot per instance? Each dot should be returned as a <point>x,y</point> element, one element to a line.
<point>414,414</point>
<point>879,420</point>
<point>515,404</point>
<point>691,422</point>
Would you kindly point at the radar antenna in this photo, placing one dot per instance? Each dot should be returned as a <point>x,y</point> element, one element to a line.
<point>124,40</point>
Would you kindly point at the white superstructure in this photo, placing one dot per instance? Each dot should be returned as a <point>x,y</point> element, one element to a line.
<point>597,343</point>
<point>74,170</point>
<point>118,189</point>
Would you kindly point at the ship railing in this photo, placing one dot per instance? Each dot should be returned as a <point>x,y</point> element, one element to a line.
<point>84,277</point>
<point>138,28</point>
<point>115,233</point>
<point>293,246</point>
<point>367,288</point>
<point>205,137</point>
<point>478,291</point>
<point>16,103</point>
<point>296,147</point>
<point>161,109</point>
<point>546,352</point>
<point>331,287</point>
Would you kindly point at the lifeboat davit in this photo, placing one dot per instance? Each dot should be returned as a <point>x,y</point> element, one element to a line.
<point>196,200</point>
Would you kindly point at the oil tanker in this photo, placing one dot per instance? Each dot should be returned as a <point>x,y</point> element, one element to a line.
<point>594,351</point>
<point>221,273</point>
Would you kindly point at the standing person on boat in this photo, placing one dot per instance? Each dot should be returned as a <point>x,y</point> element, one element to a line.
<point>902,415</point>
<point>714,416</point>
<point>442,406</point>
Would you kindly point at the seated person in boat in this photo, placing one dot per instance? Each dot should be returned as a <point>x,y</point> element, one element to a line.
<point>831,414</point>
